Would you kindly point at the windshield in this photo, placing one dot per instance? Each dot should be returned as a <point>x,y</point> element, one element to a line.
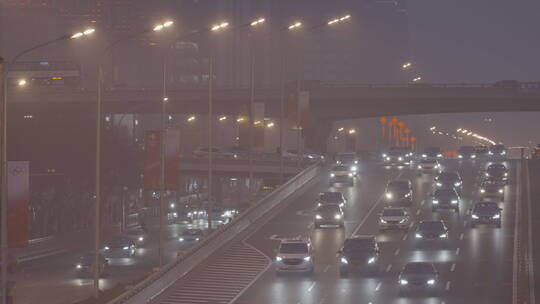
<point>355,245</point>
<point>466,149</point>
<point>293,248</point>
<point>346,158</point>
<point>445,193</point>
<point>341,168</point>
<point>431,225</point>
<point>194,232</point>
<point>432,150</point>
<point>419,268</point>
<point>487,206</point>
<point>398,186</point>
<point>328,209</point>
<point>448,176</point>
<point>331,196</point>
<point>428,161</point>
<point>393,212</point>
<point>120,241</point>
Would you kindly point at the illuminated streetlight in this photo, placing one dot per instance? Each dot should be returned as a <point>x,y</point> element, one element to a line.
<point>223,118</point>
<point>165,99</point>
<point>240,119</point>
<point>22,83</point>
<point>191,118</point>
<point>417,79</point>
<point>220,26</point>
<point>341,129</point>
<point>338,20</point>
<point>257,22</point>
<point>270,125</point>
<point>295,25</point>
<point>163,25</point>
<point>352,131</point>
<point>257,122</point>
<point>406,65</point>
<point>86,32</point>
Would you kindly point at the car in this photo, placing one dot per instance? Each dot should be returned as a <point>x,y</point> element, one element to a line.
<point>121,245</point>
<point>467,153</point>
<point>204,152</point>
<point>497,166</point>
<point>329,215</point>
<point>359,253</point>
<point>428,166</point>
<point>535,154</point>
<point>496,173</point>
<point>432,153</point>
<point>237,152</point>
<point>331,197</point>
<point>497,151</point>
<point>492,189</point>
<point>394,218</point>
<point>313,156</point>
<point>85,265</point>
<point>138,235</point>
<point>346,158</point>
<point>481,151</point>
<point>418,277</point>
<point>295,255</point>
<point>191,235</point>
<point>445,199</point>
<point>398,191</point>
<point>487,213</point>
<point>449,180</point>
<point>431,230</point>
<point>341,174</point>
<point>396,157</point>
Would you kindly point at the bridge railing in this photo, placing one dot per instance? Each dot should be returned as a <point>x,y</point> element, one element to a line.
<point>161,280</point>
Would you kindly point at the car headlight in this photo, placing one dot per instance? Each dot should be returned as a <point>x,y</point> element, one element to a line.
<point>496,216</point>
<point>424,155</point>
<point>126,248</point>
<point>389,195</point>
<point>181,239</point>
<point>487,174</point>
<point>337,216</point>
<point>106,248</point>
<point>307,259</point>
<point>474,216</point>
<point>383,221</point>
<point>506,174</point>
<point>351,175</point>
<point>403,282</point>
<point>460,156</point>
<point>356,162</point>
<point>318,216</point>
<point>384,155</point>
<point>79,266</point>
<point>503,152</point>
<point>490,153</point>
<point>371,260</point>
<point>431,282</point>
<point>172,205</point>
<point>400,158</point>
<point>473,156</point>
<point>319,204</point>
<point>457,184</point>
<point>418,236</point>
<point>439,155</point>
<point>419,167</point>
<point>501,190</point>
<point>344,260</point>
<point>354,168</point>
<point>387,158</point>
<point>482,190</point>
<point>443,236</point>
<point>403,221</point>
<point>141,239</point>
<point>435,202</point>
<point>279,259</point>
<point>439,185</point>
<point>332,175</point>
<point>408,194</point>
<point>454,202</point>
<point>197,239</point>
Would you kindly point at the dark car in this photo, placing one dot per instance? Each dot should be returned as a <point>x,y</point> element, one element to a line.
<point>331,197</point>
<point>492,189</point>
<point>139,236</point>
<point>191,235</point>
<point>449,180</point>
<point>497,151</point>
<point>497,173</point>
<point>399,191</point>
<point>432,152</point>
<point>418,276</point>
<point>466,152</point>
<point>85,264</point>
<point>486,213</point>
<point>329,215</point>
<point>431,230</point>
<point>445,199</point>
<point>341,174</point>
<point>396,157</point>
<point>120,246</point>
<point>481,151</point>
<point>359,253</point>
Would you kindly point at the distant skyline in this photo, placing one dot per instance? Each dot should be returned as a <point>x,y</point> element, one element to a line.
<point>475,41</point>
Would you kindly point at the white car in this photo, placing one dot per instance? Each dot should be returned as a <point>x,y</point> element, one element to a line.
<point>394,218</point>
<point>295,255</point>
<point>428,165</point>
<point>342,174</point>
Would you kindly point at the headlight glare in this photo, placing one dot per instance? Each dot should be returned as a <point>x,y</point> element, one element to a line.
<point>344,260</point>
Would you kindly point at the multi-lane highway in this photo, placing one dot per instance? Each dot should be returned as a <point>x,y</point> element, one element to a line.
<point>475,265</point>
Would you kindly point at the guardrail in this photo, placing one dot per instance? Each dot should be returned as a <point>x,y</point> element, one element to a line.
<point>523,275</point>
<point>161,280</point>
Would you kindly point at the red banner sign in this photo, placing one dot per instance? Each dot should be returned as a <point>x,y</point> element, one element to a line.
<point>18,183</point>
<point>152,159</point>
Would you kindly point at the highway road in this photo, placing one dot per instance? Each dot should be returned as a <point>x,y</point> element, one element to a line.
<point>534,175</point>
<point>54,279</point>
<point>475,265</point>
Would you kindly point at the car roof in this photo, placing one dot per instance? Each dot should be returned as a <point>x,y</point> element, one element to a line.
<point>294,241</point>
<point>361,237</point>
<point>485,204</point>
<point>399,182</point>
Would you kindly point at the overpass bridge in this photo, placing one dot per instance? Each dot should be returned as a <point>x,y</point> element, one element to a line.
<point>239,167</point>
<point>328,102</point>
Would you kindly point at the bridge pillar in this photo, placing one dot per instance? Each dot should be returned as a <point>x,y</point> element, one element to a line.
<point>316,136</point>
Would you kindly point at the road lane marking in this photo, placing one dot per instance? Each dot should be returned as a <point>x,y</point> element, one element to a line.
<point>418,212</point>
<point>457,251</point>
<point>423,202</point>
<point>310,225</point>
<point>465,224</point>
<point>388,268</point>
<point>461,237</point>
<point>396,252</point>
<point>404,237</point>
<point>274,237</point>
<point>326,268</point>
<point>453,267</point>
<point>311,287</point>
<point>378,286</point>
<point>448,285</point>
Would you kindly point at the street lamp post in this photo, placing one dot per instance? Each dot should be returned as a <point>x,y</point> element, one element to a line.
<point>5,67</point>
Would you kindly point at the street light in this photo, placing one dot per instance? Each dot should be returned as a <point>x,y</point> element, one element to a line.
<point>220,26</point>
<point>257,22</point>
<point>406,65</point>
<point>223,118</point>
<point>191,118</point>
<point>163,25</point>
<point>417,79</point>
<point>22,82</point>
<point>4,65</point>
<point>338,20</point>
